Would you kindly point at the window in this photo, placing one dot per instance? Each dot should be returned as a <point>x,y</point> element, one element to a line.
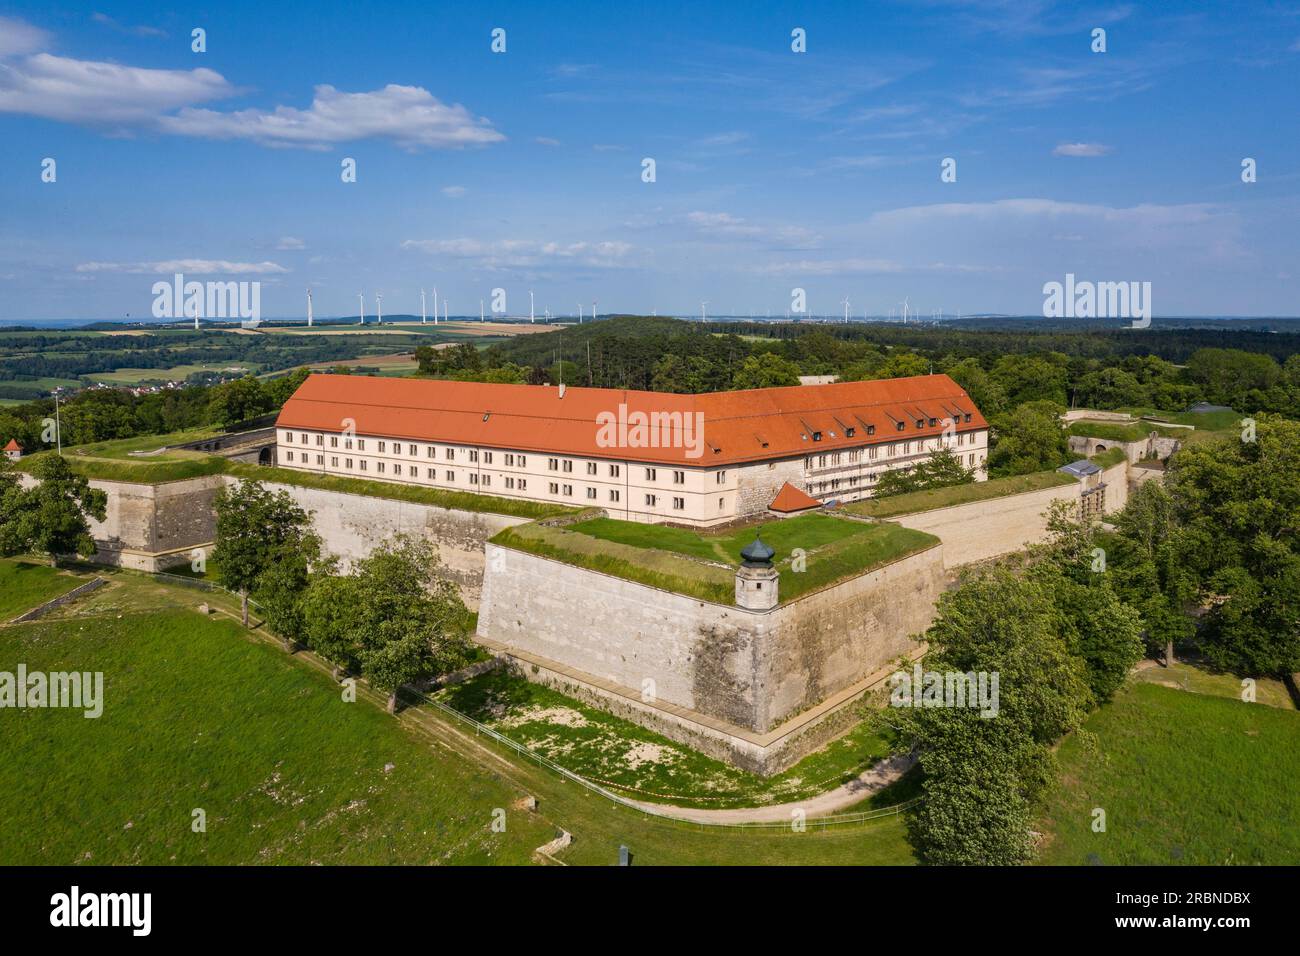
<point>487,457</point>
<point>397,469</point>
<point>451,476</point>
<point>363,464</point>
<point>591,493</point>
<point>591,467</point>
<point>451,454</point>
<point>431,474</point>
<point>289,455</point>
<point>871,453</point>
<point>510,459</point>
<point>555,488</point>
<point>473,478</point>
<point>432,451</point>
<point>613,494</point>
<point>320,439</point>
<point>347,443</point>
<point>510,482</point>
<point>288,437</point>
<point>553,464</point>
<point>967,417</point>
<point>382,447</point>
<point>720,501</point>
<point>523,461</point>
<point>347,462</point>
<point>334,462</point>
<point>361,444</point>
<point>380,467</point>
<point>614,471</point>
<point>679,504</point>
<point>650,474</point>
<point>902,425</point>
<point>721,477</point>
<point>523,484</point>
<point>650,500</point>
<point>972,461</point>
<point>411,450</point>
<point>568,464</point>
<point>871,429</point>
<point>568,490</point>
<point>487,479</point>
<point>304,438</point>
<point>679,477</point>
<point>473,454</point>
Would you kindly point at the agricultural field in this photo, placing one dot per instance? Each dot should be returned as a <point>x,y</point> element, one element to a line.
<point>1184,778</point>
<point>200,714</point>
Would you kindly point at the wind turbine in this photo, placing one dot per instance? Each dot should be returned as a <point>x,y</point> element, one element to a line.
<point>435,305</point>
<point>361,297</point>
<point>309,307</point>
<point>424,316</point>
<point>530,305</point>
<point>580,313</point>
<point>593,310</point>
<point>704,310</point>
<point>444,309</point>
<point>480,310</point>
<point>846,311</point>
<point>379,308</point>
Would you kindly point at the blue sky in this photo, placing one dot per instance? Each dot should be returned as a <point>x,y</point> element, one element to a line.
<point>774,169</point>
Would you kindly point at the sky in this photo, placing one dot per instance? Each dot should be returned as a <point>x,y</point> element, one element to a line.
<point>774,170</point>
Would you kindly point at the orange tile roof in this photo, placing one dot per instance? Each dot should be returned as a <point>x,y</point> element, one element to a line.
<point>790,498</point>
<point>742,426</point>
<point>13,445</point>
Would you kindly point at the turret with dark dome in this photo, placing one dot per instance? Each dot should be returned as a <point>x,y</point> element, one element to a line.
<point>756,554</point>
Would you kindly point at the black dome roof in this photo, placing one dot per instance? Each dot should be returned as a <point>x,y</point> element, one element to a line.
<point>756,552</point>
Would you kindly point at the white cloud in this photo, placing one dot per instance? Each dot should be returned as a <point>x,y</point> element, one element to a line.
<point>142,30</point>
<point>723,225</point>
<point>290,242</point>
<point>546,141</point>
<point>18,38</point>
<point>1081,149</point>
<point>454,192</point>
<point>193,266</point>
<point>409,115</point>
<point>83,91</point>
<point>524,253</point>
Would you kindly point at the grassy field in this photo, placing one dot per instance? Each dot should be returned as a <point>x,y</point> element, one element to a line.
<point>1200,681</point>
<point>641,763</point>
<point>957,494</point>
<point>199,713</point>
<point>673,559</point>
<point>25,585</point>
<point>177,373</point>
<point>1183,778</point>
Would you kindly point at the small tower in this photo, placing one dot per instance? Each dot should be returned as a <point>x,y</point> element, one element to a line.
<point>13,451</point>
<point>756,580</point>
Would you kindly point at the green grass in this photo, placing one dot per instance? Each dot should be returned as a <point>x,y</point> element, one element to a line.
<point>1201,681</point>
<point>835,548</point>
<point>25,585</point>
<point>122,448</point>
<point>641,763</point>
<point>200,713</point>
<point>1109,458</point>
<point>915,501</point>
<point>177,466</point>
<point>805,531</point>
<point>1184,778</point>
<point>1111,431</point>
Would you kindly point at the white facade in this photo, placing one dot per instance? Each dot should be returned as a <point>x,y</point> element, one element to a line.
<point>626,489</point>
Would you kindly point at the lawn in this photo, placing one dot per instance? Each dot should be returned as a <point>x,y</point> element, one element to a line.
<point>641,763</point>
<point>1184,778</point>
<point>1200,681</point>
<point>25,585</point>
<point>915,501</point>
<point>199,713</point>
<point>673,558</point>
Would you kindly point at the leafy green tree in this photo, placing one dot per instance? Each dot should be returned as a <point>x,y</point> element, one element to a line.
<point>332,621</point>
<point>256,529</point>
<point>767,370</point>
<point>238,401</point>
<point>51,517</point>
<point>940,470</point>
<point>1032,378</point>
<point>281,586</point>
<point>903,365</point>
<point>1028,439</point>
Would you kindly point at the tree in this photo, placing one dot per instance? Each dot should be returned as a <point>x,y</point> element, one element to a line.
<point>983,775</point>
<point>767,370</point>
<point>1028,439</point>
<point>332,621</point>
<point>256,529</point>
<point>941,469</point>
<point>238,401</point>
<point>280,588</point>
<point>51,517</point>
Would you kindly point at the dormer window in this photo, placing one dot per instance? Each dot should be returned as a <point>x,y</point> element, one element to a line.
<point>871,429</point>
<point>817,436</point>
<point>933,422</point>
<point>849,432</point>
<point>902,426</point>
<point>968,417</point>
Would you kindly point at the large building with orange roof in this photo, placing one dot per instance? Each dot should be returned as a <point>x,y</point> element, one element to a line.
<point>698,460</point>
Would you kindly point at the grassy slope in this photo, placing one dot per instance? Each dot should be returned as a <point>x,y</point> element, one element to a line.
<point>199,715</point>
<point>1183,778</point>
<point>25,585</point>
<point>958,494</point>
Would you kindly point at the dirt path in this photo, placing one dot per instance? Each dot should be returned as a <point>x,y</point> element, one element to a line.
<point>832,801</point>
